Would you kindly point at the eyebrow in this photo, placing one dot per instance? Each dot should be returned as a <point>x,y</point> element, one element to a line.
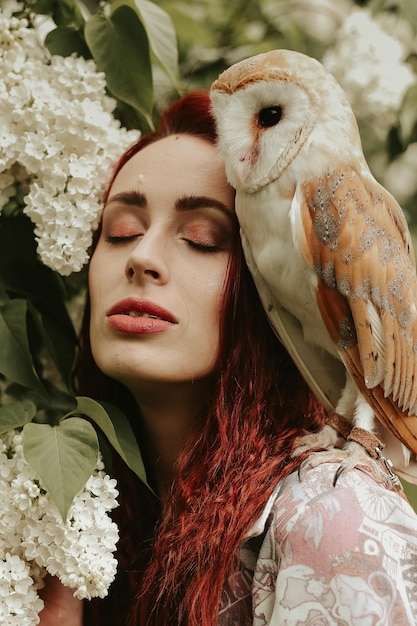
<point>190,203</point>
<point>131,198</point>
<point>185,203</point>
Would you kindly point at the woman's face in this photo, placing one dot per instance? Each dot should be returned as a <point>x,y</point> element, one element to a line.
<point>157,275</point>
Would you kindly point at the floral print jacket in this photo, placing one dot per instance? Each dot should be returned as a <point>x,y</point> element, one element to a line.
<point>324,554</point>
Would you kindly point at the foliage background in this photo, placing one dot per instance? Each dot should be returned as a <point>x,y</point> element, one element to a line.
<point>151,53</point>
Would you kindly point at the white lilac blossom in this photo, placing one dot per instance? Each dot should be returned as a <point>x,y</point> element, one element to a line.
<point>19,601</point>
<point>34,540</point>
<point>318,18</point>
<point>370,64</point>
<point>8,7</point>
<point>58,142</point>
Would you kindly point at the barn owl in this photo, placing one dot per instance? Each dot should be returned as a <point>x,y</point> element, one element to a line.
<point>328,247</point>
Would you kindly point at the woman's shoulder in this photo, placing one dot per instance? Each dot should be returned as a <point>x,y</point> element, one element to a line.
<point>356,511</point>
<point>356,493</point>
<point>344,549</point>
<point>357,497</point>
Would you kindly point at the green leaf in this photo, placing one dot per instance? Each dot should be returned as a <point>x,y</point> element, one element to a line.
<point>15,356</point>
<point>115,426</point>
<point>59,340</point>
<point>63,456</point>
<point>68,13</point>
<point>63,12</point>
<point>188,29</point>
<point>411,493</point>
<point>24,278</point>
<point>161,34</point>
<point>408,117</point>
<point>65,40</point>
<point>120,47</point>
<point>23,275</point>
<point>16,414</point>
<point>43,6</point>
<point>16,230</point>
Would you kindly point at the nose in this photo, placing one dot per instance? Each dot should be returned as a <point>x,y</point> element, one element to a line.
<point>147,260</point>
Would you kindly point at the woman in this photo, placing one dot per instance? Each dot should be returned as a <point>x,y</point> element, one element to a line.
<point>234,535</point>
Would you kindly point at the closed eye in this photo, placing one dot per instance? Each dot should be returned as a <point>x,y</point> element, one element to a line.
<point>118,239</point>
<point>201,246</point>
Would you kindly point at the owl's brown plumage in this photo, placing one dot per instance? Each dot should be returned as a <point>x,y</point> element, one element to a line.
<point>328,246</point>
<point>361,249</point>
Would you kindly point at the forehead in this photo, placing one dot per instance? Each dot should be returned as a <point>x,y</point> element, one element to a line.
<point>180,161</point>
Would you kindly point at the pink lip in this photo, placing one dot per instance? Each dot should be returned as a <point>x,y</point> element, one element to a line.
<point>154,318</point>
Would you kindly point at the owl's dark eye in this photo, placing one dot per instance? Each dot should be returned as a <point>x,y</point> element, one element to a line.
<point>270,116</point>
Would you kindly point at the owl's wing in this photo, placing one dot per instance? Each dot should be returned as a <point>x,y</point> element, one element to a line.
<point>357,240</point>
<point>324,374</point>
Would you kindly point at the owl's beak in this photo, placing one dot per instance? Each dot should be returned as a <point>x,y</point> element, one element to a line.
<point>243,169</point>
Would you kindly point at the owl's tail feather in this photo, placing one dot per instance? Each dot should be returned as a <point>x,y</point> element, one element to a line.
<point>326,377</point>
<point>391,416</point>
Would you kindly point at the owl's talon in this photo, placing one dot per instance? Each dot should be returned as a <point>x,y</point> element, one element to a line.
<point>338,473</point>
<point>334,455</point>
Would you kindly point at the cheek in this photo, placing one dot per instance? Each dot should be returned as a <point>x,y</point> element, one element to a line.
<point>95,308</point>
<point>93,283</point>
<point>98,287</point>
<point>100,276</point>
<point>208,295</point>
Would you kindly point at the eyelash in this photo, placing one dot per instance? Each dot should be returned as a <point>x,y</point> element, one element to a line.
<point>202,248</point>
<point>116,239</point>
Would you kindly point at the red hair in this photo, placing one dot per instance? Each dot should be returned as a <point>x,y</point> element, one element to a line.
<point>227,470</point>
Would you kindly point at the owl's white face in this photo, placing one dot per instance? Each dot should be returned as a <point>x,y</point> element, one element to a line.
<point>262,127</point>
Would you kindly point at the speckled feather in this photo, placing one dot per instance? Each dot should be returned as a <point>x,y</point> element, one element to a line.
<point>325,242</point>
<point>361,249</point>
